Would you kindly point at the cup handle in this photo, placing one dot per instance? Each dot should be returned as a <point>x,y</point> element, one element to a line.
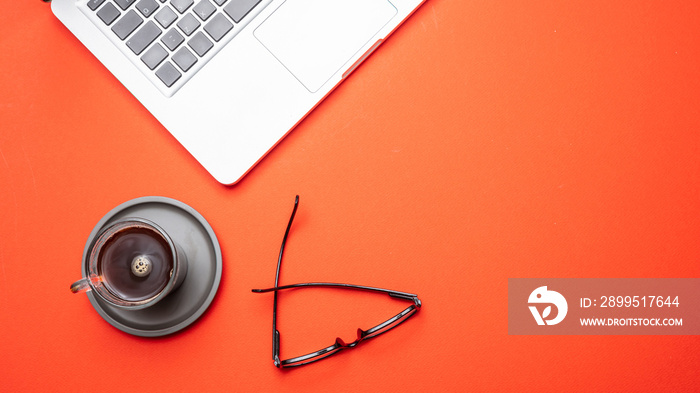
<point>80,286</point>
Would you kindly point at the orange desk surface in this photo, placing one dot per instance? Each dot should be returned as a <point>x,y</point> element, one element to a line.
<point>483,141</point>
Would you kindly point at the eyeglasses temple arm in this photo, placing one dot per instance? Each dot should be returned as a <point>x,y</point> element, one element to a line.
<point>284,239</point>
<point>407,296</point>
<point>395,294</point>
<point>275,332</point>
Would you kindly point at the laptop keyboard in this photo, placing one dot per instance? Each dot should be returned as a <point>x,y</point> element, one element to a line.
<point>170,40</point>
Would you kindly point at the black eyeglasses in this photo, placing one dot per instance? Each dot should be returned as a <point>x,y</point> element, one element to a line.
<point>339,344</point>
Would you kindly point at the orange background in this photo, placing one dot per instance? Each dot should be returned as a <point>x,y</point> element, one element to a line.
<point>483,140</point>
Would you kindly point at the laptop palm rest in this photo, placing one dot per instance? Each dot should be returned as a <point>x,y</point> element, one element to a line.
<point>314,39</point>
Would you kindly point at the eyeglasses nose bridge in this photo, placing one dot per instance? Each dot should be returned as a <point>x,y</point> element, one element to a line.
<point>340,343</point>
<point>361,334</point>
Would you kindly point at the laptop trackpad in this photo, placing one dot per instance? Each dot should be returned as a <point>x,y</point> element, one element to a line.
<point>313,39</point>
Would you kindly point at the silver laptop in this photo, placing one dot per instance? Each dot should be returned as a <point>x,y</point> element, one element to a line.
<point>230,78</point>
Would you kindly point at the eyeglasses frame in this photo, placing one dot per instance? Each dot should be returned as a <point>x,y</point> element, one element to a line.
<point>339,344</point>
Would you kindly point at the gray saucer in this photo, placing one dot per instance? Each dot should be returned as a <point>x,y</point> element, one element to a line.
<point>183,306</point>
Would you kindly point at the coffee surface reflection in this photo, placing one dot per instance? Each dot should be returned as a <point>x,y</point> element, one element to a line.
<point>136,264</point>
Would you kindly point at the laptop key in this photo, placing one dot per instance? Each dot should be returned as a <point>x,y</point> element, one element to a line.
<point>237,10</point>
<point>108,14</point>
<point>204,9</point>
<point>181,5</point>
<point>127,24</point>
<point>166,17</point>
<point>200,44</point>
<point>218,26</point>
<point>188,24</point>
<point>154,56</point>
<point>124,4</point>
<point>168,74</point>
<point>140,41</point>
<point>93,4</point>
<point>147,7</point>
<point>172,39</point>
<point>184,59</point>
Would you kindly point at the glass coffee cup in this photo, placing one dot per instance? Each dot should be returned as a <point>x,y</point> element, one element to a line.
<point>133,264</point>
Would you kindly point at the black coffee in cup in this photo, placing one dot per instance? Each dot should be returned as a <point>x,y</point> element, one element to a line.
<point>135,263</point>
